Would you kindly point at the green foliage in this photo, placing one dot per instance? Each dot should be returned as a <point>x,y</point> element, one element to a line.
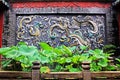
<point>64,58</point>
<point>44,69</point>
<point>109,48</point>
<point>22,53</point>
<point>61,58</point>
<point>118,63</point>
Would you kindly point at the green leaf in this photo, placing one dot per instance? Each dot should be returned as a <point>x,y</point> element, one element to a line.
<point>91,52</point>
<point>25,67</point>
<point>69,66</point>
<point>110,68</point>
<point>95,67</point>
<point>44,69</point>
<point>75,59</point>
<point>72,48</point>
<point>20,58</point>
<point>84,57</point>
<point>83,47</point>
<point>98,51</point>
<point>21,43</point>
<point>68,60</point>
<point>58,68</point>
<point>67,50</point>
<point>27,50</point>
<point>11,54</point>
<point>103,63</point>
<point>74,70</point>
<point>4,50</point>
<point>6,62</point>
<point>58,51</point>
<point>61,60</point>
<point>45,46</point>
<point>44,59</point>
<point>117,59</point>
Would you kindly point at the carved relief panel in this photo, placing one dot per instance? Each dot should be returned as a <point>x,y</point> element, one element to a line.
<point>56,30</point>
<point>61,26</point>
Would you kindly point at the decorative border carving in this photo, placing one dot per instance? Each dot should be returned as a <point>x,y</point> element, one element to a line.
<point>69,10</point>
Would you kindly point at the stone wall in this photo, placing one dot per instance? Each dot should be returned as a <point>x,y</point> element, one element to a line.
<point>22,9</point>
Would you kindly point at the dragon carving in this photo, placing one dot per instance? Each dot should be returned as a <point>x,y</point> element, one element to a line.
<point>59,28</point>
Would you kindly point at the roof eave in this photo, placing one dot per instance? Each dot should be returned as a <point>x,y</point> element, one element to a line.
<point>61,0</point>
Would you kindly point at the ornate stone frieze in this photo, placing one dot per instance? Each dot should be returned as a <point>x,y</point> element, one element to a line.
<point>56,30</point>
<point>57,26</point>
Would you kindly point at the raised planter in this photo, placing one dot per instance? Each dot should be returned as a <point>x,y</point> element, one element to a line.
<point>36,75</point>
